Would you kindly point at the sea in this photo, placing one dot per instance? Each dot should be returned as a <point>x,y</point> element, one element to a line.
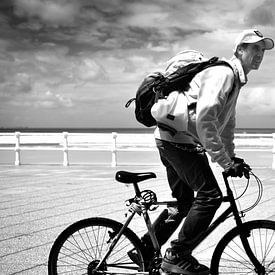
<point>119,130</point>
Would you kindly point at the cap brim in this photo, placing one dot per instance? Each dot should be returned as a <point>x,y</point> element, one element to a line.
<point>269,43</point>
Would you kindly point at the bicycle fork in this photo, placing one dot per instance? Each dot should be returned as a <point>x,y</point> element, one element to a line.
<point>244,234</point>
<point>259,268</point>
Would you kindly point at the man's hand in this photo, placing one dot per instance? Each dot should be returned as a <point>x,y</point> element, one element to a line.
<point>237,160</point>
<point>238,168</point>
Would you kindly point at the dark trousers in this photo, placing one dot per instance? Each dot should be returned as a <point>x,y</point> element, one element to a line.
<point>188,171</point>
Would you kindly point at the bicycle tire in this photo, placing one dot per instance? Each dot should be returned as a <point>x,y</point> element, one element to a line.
<point>80,247</point>
<point>229,256</point>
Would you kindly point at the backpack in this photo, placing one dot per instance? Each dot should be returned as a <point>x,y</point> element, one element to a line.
<point>177,76</point>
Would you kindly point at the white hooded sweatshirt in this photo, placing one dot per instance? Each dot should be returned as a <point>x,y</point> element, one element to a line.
<point>212,122</point>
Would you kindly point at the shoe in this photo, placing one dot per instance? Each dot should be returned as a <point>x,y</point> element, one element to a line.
<point>182,264</point>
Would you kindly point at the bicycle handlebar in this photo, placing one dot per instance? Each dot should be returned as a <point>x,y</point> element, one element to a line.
<point>246,172</point>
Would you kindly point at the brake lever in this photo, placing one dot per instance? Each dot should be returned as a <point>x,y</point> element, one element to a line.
<point>246,172</point>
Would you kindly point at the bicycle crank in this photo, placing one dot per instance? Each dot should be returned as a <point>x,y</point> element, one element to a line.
<point>163,272</point>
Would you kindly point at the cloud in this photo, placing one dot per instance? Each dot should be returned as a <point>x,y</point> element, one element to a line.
<point>52,100</point>
<point>47,100</point>
<point>92,54</point>
<point>55,13</point>
<point>86,69</point>
<point>254,101</point>
<point>262,15</point>
<point>19,83</point>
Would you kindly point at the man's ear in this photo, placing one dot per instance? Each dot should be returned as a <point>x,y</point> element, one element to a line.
<point>240,50</point>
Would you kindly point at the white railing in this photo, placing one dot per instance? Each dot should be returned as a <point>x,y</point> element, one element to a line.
<point>110,142</point>
<point>68,142</point>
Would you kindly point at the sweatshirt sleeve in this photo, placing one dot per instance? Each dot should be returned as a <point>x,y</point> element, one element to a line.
<point>216,84</point>
<point>228,136</point>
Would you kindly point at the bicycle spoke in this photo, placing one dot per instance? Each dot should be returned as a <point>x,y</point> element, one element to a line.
<point>233,258</point>
<point>236,255</point>
<point>240,250</point>
<point>84,245</point>
<point>73,270</point>
<point>271,245</point>
<point>78,247</point>
<point>70,256</point>
<point>90,243</point>
<point>119,249</point>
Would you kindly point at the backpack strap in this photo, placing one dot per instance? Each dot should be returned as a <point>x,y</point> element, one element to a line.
<point>235,72</point>
<point>167,128</point>
<point>221,62</point>
<point>128,103</point>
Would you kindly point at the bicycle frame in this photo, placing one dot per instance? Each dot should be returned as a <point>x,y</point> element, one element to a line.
<point>232,209</point>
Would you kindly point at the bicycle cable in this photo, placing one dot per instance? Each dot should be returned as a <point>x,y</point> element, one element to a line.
<point>260,193</point>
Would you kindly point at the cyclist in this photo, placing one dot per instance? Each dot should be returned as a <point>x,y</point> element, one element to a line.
<point>212,95</point>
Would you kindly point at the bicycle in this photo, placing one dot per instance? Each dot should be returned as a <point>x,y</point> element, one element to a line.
<point>96,246</point>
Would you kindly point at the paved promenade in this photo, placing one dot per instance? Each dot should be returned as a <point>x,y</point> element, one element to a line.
<point>38,201</point>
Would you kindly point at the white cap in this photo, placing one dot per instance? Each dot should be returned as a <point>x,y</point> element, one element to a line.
<point>253,36</point>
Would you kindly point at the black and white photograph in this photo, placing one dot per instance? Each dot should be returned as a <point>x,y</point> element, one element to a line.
<point>137,137</point>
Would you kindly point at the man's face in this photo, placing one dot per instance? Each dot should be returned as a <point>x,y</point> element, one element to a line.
<point>252,56</point>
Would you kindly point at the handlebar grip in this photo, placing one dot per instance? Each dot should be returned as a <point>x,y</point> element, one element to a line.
<point>246,170</point>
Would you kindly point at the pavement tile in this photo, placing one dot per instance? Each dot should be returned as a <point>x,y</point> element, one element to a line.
<point>38,201</point>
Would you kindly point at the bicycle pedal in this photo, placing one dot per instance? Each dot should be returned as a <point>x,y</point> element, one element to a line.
<point>163,272</point>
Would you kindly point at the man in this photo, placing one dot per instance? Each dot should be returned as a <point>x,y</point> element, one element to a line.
<point>212,98</point>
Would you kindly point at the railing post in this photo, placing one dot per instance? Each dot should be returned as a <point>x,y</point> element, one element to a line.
<point>114,157</point>
<point>273,152</point>
<point>65,149</point>
<point>17,149</point>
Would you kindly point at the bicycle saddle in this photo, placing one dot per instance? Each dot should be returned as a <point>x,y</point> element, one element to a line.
<point>129,177</point>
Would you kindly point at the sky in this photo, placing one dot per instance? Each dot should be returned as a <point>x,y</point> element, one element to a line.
<point>68,63</point>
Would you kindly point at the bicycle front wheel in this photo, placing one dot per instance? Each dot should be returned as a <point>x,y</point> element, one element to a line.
<point>80,247</point>
<point>230,257</point>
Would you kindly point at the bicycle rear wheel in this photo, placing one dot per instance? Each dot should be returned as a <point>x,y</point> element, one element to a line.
<point>80,247</point>
<point>230,257</point>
